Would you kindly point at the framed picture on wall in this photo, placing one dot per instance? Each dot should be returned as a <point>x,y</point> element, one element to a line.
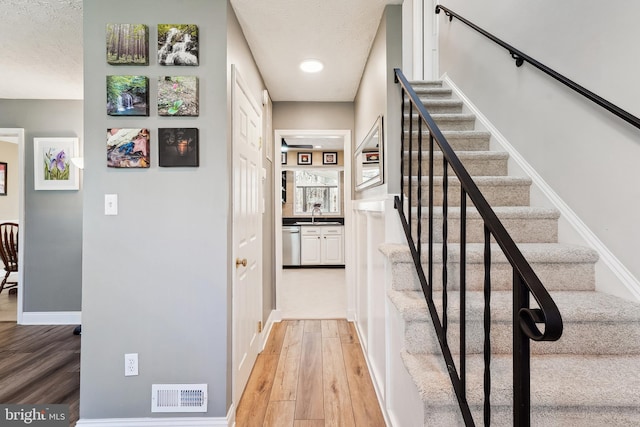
<point>178,147</point>
<point>304,158</point>
<point>330,158</point>
<point>128,148</point>
<point>127,44</point>
<point>52,164</point>
<point>178,96</point>
<point>283,158</point>
<point>127,96</point>
<point>178,44</point>
<point>3,179</point>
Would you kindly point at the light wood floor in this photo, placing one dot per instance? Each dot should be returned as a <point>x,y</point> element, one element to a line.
<point>312,373</point>
<point>40,365</point>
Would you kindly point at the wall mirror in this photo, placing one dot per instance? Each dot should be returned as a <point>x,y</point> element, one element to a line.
<point>368,159</point>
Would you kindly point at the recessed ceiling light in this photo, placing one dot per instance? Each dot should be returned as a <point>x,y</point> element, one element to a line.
<point>318,146</point>
<point>311,66</point>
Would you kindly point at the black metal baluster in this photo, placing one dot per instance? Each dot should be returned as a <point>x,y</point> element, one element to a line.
<point>463,291</point>
<point>419,214</point>
<point>430,265</point>
<point>402,147</point>
<point>487,326</point>
<point>410,154</point>
<point>521,357</point>
<point>445,248</point>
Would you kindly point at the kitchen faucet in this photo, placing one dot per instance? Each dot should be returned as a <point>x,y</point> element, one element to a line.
<point>316,210</point>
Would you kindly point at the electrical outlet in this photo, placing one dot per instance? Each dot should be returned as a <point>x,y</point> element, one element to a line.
<point>130,364</point>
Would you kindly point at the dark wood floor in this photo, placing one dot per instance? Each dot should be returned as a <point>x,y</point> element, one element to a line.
<point>40,365</point>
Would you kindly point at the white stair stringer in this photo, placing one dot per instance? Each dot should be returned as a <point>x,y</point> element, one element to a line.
<point>590,377</point>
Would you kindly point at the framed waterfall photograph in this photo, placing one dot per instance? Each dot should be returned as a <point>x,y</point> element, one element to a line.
<point>178,44</point>
<point>127,96</point>
<point>52,165</point>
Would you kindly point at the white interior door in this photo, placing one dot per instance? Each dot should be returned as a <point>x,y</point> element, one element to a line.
<point>247,233</point>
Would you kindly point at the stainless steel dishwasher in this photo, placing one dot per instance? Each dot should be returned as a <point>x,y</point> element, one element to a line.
<point>290,245</point>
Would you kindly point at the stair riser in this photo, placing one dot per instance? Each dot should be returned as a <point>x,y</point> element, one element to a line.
<point>522,230</point>
<point>555,277</point>
<point>577,338</point>
<point>496,195</point>
<point>421,85</point>
<point>437,108</point>
<point>475,167</point>
<point>458,143</point>
<point>445,123</point>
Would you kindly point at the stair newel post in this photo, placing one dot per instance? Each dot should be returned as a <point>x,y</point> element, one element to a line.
<point>487,326</point>
<point>463,291</point>
<point>521,357</point>
<point>430,263</point>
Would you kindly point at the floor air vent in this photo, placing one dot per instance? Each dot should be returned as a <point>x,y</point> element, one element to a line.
<point>179,398</point>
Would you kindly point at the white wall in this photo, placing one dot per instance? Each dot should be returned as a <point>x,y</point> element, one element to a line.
<point>587,155</point>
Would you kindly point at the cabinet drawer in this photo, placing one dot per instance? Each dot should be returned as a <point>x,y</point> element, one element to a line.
<point>331,230</point>
<point>310,230</point>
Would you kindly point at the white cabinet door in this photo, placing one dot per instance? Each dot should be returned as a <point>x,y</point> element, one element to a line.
<point>332,246</point>
<point>310,246</point>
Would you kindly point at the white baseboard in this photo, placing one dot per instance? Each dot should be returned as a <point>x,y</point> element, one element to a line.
<point>617,269</point>
<point>155,422</point>
<point>351,315</point>
<point>51,318</point>
<point>274,317</point>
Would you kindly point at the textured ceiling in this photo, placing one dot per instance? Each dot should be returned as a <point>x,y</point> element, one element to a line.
<point>41,55</point>
<point>42,46</point>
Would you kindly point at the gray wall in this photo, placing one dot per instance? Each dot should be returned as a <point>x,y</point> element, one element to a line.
<point>156,277</point>
<point>378,95</point>
<point>53,232</point>
<point>587,155</point>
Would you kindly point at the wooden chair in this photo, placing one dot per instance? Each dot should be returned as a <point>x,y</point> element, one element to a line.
<point>9,253</point>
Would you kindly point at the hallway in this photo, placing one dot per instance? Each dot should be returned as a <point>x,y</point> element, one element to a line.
<point>311,373</point>
<point>313,293</point>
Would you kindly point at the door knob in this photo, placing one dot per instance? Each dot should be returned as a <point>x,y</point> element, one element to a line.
<point>241,262</point>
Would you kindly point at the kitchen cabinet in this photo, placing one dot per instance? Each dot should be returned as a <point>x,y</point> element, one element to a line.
<point>322,245</point>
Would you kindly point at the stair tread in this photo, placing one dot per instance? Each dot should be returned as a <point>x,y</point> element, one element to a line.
<point>483,180</point>
<point>484,155</point>
<point>533,252</point>
<point>574,306</point>
<point>458,133</point>
<point>503,212</point>
<point>558,381</point>
<point>448,116</point>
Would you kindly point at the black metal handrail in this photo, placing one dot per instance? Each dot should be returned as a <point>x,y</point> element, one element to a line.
<point>521,57</point>
<point>525,281</point>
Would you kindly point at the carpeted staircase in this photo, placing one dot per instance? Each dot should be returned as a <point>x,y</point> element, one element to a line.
<point>590,377</point>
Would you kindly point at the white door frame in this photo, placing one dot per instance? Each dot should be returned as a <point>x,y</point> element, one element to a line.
<point>347,195</point>
<point>16,136</point>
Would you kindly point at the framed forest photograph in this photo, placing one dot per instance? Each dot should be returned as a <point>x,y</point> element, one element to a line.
<point>127,96</point>
<point>177,44</point>
<point>178,96</point>
<point>127,44</point>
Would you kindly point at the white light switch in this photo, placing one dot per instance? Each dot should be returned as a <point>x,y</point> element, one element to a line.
<point>111,204</point>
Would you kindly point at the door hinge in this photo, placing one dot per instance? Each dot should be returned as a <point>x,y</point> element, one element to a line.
<point>260,326</point>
